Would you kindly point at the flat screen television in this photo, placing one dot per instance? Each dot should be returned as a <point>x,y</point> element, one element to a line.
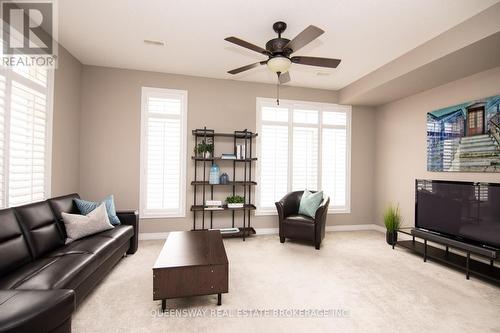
<point>466,211</point>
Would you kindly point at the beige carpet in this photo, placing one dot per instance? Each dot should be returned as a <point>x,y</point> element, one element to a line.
<point>355,283</point>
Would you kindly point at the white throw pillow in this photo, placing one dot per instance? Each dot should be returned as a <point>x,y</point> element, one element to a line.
<point>79,226</point>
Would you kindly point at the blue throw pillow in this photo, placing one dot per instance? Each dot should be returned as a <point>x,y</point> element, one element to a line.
<point>310,202</point>
<point>86,207</point>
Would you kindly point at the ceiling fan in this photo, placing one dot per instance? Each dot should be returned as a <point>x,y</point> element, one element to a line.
<point>279,50</point>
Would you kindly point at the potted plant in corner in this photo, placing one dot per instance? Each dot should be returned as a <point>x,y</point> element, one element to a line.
<point>392,221</point>
<point>204,150</point>
<point>235,201</point>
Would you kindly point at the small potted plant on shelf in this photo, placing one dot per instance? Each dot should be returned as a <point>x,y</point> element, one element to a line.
<point>235,201</point>
<point>204,149</point>
<point>392,221</point>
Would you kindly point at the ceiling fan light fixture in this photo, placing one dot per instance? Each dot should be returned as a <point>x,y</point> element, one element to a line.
<point>279,64</point>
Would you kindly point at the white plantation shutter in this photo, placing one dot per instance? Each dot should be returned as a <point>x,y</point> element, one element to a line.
<point>163,152</point>
<point>334,166</point>
<point>274,164</point>
<point>303,146</point>
<point>335,153</point>
<point>27,145</point>
<point>3,136</point>
<point>25,135</point>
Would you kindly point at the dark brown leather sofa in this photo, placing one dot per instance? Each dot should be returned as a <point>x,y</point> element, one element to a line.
<point>295,226</point>
<point>42,280</point>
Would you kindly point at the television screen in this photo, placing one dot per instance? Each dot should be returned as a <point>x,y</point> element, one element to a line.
<point>462,210</point>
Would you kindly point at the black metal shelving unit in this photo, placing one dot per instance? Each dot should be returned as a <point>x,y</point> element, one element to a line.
<point>246,137</point>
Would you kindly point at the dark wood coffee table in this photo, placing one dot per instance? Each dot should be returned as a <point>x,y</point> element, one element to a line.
<point>191,263</point>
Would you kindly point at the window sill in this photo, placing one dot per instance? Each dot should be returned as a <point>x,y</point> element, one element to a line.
<point>330,212</point>
<point>152,216</point>
<point>265,212</point>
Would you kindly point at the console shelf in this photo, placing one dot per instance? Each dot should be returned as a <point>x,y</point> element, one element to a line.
<point>199,207</point>
<point>231,183</point>
<point>471,266</point>
<point>218,158</point>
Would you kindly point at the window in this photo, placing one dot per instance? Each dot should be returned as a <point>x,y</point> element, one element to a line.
<point>163,153</point>
<point>303,145</point>
<point>25,134</point>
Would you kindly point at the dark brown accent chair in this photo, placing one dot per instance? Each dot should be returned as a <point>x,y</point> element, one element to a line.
<point>295,226</point>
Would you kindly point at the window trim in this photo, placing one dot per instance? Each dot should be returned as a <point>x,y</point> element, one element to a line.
<point>48,91</point>
<point>166,213</point>
<point>295,104</point>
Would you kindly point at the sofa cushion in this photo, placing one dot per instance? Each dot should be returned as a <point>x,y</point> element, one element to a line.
<point>86,207</point>
<point>43,234</point>
<point>80,226</point>
<point>297,218</point>
<point>100,246</point>
<point>122,233</point>
<point>23,273</point>
<point>66,271</point>
<point>35,310</point>
<point>66,267</point>
<point>310,202</point>
<point>64,204</point>
<point>14,250</point>
<point>299,227</point>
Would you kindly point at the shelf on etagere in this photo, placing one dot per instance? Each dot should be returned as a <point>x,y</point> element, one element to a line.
<point>242,183</point>
<point>209,134</point>
<point>247,231</point>
<point>218,158</point>
<point>243,231</point>
<point>225,208</point>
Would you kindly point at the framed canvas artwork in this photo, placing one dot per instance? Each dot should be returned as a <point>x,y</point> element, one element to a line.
<point>465,137</point>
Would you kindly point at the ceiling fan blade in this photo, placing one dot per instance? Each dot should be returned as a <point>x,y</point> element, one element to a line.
<point>247,67</point>
<point>284,78</point>
<point>315,61</point>
<point>247,45</point>
<point>305,37</point>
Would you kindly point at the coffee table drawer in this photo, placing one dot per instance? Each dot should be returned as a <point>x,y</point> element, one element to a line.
<point>189,281</point>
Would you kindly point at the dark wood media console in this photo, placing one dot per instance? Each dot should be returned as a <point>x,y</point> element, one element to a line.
<point>470,265</point>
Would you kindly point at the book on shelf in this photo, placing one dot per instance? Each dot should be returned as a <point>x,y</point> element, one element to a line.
<point>240,152</point>
<point>228,157</point>
<point>213,205</point>
<point>228,231</point>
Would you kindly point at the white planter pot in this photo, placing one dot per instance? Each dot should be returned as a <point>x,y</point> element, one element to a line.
<point>235,205</point>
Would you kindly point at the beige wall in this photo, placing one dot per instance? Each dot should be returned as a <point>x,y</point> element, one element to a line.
<point>401,141</point>
<point>96,136</point>
<point>110,135</point>
<point>66,125</point>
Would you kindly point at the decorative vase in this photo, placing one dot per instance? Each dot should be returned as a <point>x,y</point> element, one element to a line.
<point>224,178</point>
<point>206,155</point>
<point>391,237</point>
<point>214,174</point>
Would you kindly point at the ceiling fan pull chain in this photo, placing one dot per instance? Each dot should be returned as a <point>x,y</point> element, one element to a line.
<point>278,90</point>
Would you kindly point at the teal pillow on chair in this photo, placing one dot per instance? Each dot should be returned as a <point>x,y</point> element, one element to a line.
<point>310,203</point>
<point>86,207</point>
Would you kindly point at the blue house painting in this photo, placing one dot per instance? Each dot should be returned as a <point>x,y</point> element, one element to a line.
<point>465,137</point>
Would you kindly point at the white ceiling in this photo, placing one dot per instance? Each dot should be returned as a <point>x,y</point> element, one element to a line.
<point>365,34</point>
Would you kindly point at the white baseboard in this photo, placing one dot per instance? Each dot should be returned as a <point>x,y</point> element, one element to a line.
<point>272,231</point>
<point>355,227</point>
<point>152,235</point>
